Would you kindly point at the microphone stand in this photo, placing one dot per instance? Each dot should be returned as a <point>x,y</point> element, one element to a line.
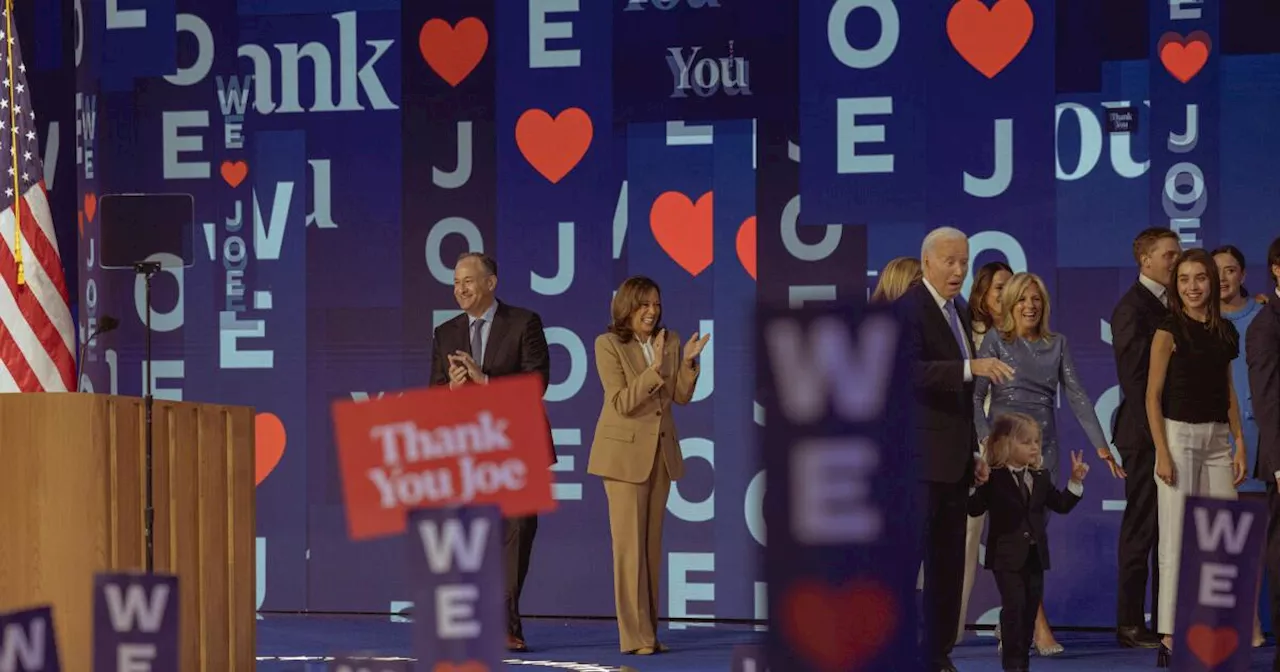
<point>147,269</point>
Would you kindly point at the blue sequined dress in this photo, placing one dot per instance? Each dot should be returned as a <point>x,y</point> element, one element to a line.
<point>1039,367</point>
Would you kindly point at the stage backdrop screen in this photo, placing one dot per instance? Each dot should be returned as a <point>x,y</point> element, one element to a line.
<point>342,153</point>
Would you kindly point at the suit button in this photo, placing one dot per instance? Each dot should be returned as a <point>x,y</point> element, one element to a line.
<point>1026,535</point>
<point>662,435</point>
<point>659,413</point>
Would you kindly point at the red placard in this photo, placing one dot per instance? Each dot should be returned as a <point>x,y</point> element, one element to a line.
<point>436,447</point>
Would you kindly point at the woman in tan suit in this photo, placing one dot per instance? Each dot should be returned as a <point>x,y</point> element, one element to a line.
<point>636,450</point>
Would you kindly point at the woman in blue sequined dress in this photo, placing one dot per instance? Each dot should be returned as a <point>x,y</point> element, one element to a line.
<point>1041,362</point>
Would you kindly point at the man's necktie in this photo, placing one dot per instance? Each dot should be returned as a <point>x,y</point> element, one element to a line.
<point>477,347</point>
<point>956,329</point>
<point>1026,485</point>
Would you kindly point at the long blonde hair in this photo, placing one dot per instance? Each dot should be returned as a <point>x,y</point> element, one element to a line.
<point>897,277</point>
<point>1009,298</point>
<point>1007,428</point>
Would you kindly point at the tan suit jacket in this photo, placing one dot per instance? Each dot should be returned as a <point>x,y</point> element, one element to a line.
<point>635,422</point>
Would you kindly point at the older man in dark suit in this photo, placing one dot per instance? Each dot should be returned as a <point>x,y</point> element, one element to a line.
<point>1133,324</point>
<point>491,338</point>
<point>1262,353</point>
<point>946,444</point>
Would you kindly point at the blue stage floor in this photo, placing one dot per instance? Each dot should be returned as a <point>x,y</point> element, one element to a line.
<point>299,644</point>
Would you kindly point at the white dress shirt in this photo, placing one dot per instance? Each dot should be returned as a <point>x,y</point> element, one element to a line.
<point>1156,288</point>
<point>647,346</point>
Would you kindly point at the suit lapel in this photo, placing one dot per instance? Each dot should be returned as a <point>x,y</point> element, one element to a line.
<point>1151,300</point>
<point>938,316</point>
<point>497,333</point>
<point>634,352</point>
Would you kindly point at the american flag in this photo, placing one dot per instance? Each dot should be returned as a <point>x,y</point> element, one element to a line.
<point>36,332</point>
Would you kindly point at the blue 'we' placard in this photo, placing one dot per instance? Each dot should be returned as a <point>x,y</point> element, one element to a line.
<point>841,560</point>
<point>1217,579</point>
<point>28,642</point>
<point>135,622</point>
<point>455,564</point>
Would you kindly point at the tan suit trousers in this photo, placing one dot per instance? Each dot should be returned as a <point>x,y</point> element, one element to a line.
<point>636,511</point>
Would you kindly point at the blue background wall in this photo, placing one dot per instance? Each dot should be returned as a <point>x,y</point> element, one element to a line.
<point>370,173</point>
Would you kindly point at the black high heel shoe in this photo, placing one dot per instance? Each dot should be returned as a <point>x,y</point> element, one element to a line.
<point>1163,656</point>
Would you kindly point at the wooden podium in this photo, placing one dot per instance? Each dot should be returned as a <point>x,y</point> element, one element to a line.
<point>74,494</point>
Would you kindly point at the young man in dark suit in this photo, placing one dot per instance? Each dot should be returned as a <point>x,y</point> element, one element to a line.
<point>493,339</point>
<point>1262,353</point>
<point>940,345</point>
<point>1133,324</point>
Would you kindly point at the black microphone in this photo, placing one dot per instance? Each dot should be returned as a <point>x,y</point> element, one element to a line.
<point>107,323</point>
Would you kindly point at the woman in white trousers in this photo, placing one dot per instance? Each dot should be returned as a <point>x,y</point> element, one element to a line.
<point>1193,412</point>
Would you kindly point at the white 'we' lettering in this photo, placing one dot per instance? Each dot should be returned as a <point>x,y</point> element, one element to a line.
<point>454,544</point>
<point>858,372</point>
<point>25,644</point>
<point>135,609</point>
<point>1222,531</point>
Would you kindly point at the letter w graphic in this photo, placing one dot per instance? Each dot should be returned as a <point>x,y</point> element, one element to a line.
<point>857,373</point>
<point>1222,531</point>
<point>233,95</point>
<point>132,609</point>
<point>23,647</point>
<point>454,544</point>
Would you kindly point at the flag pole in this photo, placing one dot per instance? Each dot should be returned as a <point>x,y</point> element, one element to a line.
<point>13,146</point>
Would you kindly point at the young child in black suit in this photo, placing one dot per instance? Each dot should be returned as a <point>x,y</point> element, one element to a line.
<point>1016,495</point>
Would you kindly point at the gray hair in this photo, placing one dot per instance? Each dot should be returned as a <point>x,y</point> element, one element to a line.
<point>938,235</point>
<point>486,262</point>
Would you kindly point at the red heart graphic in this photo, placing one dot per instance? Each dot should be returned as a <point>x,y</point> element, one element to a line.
<point>1212,646</point>
<point>453,51</point>
<point>1184,58</point>
<point>989,39</point>
<point>683,230</point>
<point>234,172</point>
<point>469,666</point>
<point>746,245</point>
<point>554,146</point>
<point>90,206</point>
<point>269,442</point>
<point>835,628</point>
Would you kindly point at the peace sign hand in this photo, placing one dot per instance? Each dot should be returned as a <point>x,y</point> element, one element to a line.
<point>1078,468</point>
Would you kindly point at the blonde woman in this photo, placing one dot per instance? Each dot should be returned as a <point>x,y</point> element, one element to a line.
<point>1019,494</point>
<point>1041,362</point>
<point>898,276</point>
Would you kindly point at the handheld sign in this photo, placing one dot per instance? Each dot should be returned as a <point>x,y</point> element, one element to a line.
<point>749,658</point>
<point>362,664</point>
<point>841,560</point>
<point>135,622</point>
<point>27,641</point>
<point>480,444</point>
<point>1221,549</point>
<point>455,563</point>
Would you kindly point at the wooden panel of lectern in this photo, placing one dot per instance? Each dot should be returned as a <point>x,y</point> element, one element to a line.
<point>74,494</point>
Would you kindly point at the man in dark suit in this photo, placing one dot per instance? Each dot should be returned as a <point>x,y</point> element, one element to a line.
<point>940,345</point>
<point>1262,353</point>
<point>1133,324</point>
<point>491,338</point>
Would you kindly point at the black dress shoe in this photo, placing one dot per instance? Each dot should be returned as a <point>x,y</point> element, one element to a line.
<point>1163,656</point>
<point>1136,637</point>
